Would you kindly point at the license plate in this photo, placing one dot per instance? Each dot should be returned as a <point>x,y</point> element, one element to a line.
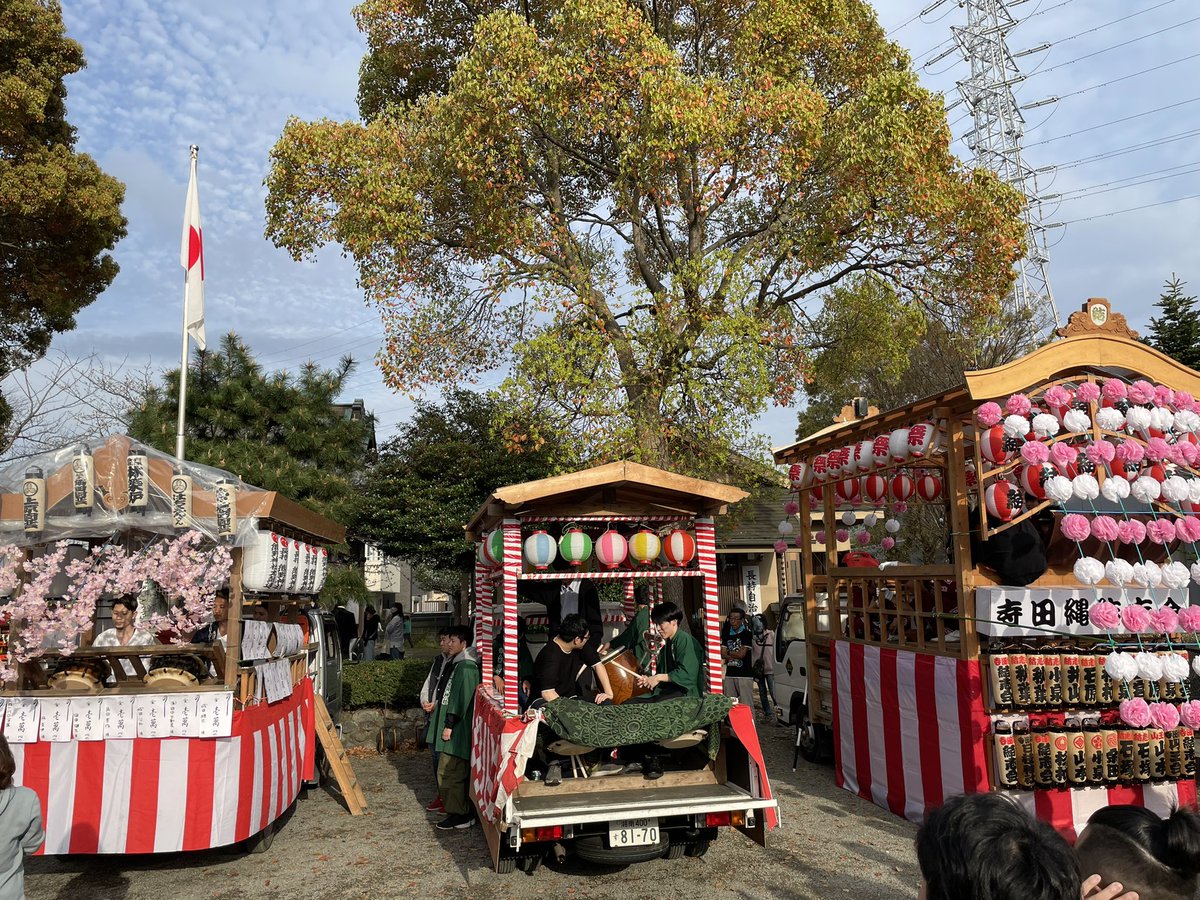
<point>633,833</point>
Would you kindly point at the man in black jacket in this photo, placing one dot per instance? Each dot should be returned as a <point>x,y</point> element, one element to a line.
<point>567,598</point>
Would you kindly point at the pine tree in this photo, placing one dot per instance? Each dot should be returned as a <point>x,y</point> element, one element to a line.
<point>1177,332</point>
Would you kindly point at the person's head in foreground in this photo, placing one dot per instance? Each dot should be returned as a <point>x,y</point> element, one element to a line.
<point>1156,857</point>
<point>985,847</point>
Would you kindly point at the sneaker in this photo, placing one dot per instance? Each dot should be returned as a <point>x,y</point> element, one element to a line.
<point>608,768</point>
<point>553,775</point>
<point>633,768</point>
<point>454,822</point>
<point>436,805</point>
<point>653,768</point>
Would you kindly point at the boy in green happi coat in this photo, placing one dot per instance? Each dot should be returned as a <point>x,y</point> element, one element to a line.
<point>634,636</point>
<point>455,716</point>
<point>679,667</point>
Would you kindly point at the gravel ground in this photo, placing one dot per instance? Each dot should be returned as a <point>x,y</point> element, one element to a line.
<point>831,844</point>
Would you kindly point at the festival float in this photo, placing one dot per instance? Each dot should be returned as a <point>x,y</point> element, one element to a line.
<point>170,745</point>
<point>1048,652</point>
<point>618,522</point>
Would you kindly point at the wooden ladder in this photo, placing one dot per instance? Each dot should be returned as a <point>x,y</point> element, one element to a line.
<point>339,762</point>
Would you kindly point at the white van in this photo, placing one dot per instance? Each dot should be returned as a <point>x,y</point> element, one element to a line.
<point>813,741</point>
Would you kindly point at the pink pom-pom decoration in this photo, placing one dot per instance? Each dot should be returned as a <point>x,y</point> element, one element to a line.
<point>1160,531</point>
<point>1113,390</point>
<point>781,547</point>
<point>1164,621</point>
<point>1105,528</point>
<point>989,414</point>
<point>1189,713</point>
<point>1189,619</point>
<point>1087,392</point>
<point>1141,392</point>
<point>1130,452</point>
<point>819,537</point>
<point>1188,529</point>
<point>1135,712</point>
<point>1157,449</point>
<point>1035,453</point>
<point>1075,527</point>
<point>842,535</point>
<point>1100,453</point>
<point>888,543</point>
<point>1105,615</point>
<point>1058,396</point>
<point>1164,716</point>
<point>863,538</point>
<point>1184,400</point>
<point>1063,455</point>
<point>1135,618</point>
<point>798,540</point>
<point>1163,395</point>
<point>1188,453</point>
<point>899,507</point>
<point>1131,531</point>
<point>791,508</point>
<point>1018,405</point>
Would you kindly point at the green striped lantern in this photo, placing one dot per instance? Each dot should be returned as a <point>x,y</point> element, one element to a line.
<point>575,546</point>
<point>493,547</point>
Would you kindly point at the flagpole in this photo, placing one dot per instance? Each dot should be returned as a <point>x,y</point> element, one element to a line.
<point>183,364</point>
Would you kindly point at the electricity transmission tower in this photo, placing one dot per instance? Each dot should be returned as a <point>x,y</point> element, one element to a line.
<point>995,138</point>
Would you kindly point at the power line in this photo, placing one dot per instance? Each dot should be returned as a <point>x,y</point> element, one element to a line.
<point>1132,148</point>
<point>1113,22</point>
<point>1119,212</point>
<point>1083,193</point>
<point>1143,37</point>
<point>1094,87</point>
<point>287,350</point>
<point>1148,112</point>
<point>1105,184</point>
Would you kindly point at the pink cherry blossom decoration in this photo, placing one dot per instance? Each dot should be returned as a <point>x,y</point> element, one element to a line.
<point>1189,619</point>
<point>899,507</point>
<point>1075,527</point>
<point>1105,615</point>
<point>1184,400</point>
<point>819,537</point>
<point>1187,452</point>
<point>1017,405</point>
<point>989,414</point>
<point>1135,712</point>
<point>1135,618</point>
<point>1157,449</point>
<point>842,535</point>
<point>1163,395</point>
<point>1063,455</point>
<point>1100,453</point>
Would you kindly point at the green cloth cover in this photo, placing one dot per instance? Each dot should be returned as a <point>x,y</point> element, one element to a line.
<point>637,723</point>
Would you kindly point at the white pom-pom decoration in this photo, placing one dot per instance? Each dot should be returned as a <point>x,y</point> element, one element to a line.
<point>1149,666</point>
<point>1147,574</point>
<point>785,527</point>
<point>1174,489</point>
<point>891,526</point>
<point>1175,667</point>
<point>1195,570</point>
<point>1110,419</point>
<point>1193,486</point>
<point>1016,426</point>
<point>1176,575</point>
<point>1058,488</point>
<point>1045,425</point>
<point>1077,420</point>
<point>1121,666</point>
<point>1196,665</point>
<point>1162,419</point>
<point>1118,572</point>
<point>1085,486</point>
<point>849,518</point>
<point>1145,489</point>
<point>870,520</point>
<point>1115,489</point>
<point>1186,421</point>
<point>1089,570</point>
<point>1138,419</point>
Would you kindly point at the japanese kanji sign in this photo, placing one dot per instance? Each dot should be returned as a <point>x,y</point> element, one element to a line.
<point>1034,612</point>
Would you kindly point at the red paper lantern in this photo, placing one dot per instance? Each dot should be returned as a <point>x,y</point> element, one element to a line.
<point>1032,482</point>
<point>929,487</point>
<point>847,490</point>
<point>679,547</point>
<point>991,445</point>
<point>874,488</point>
<point>902,487</point>
<point>1003,500</point>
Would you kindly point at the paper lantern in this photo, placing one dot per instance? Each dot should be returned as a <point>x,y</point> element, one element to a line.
<point>898,445</point>
<point>322,570</point>
<point>493,547</point>
<point>800,475</point>
<point>611,549</point>
<point>847,490</point>
<point>880,452</point>
<point>816,499</point>
<point>540,550</point>
<point>264,562</point>
<point>1003,501</point>
<point>864,457</point>
<point>838,461</point>
<point>991,445</point>
<point>644,546</point>
<point>929,487</point>
<point>1031,480</point>
<point>820,467</point>
<point>849,517</point>
<point>575,546</point>
<point>481,553</point>
<point>679,547</point>
<point>874,488</point>
<point>922,439</point>
<point>902,487</point>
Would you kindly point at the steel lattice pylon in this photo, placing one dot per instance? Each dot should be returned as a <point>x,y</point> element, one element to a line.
<point>995,139</point>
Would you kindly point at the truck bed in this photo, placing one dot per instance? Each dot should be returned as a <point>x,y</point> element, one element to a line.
<point>547,808</point>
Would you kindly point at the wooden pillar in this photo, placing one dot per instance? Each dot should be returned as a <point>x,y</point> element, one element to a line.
<point>960,530</point>
<point>511,570</point>
<point>706,553</point>
<point>233,619</point>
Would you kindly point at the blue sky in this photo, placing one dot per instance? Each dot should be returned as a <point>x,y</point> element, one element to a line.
<point>226,75</point>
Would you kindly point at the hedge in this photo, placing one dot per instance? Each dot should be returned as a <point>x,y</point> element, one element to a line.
<point>388,682</point>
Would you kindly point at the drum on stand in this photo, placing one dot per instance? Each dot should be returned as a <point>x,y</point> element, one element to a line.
<point>79,675</point>
<point>622,668</point>
<point>183,670</point>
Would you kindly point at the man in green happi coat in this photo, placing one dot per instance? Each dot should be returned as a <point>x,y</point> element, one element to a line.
<point>634,636</point>
<point>678,663</point>
<point>455,716</point>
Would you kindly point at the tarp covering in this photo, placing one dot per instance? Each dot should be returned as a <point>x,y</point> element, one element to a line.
<point>637,723</point>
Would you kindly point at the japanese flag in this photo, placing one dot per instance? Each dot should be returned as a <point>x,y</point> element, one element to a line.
<point>191,257</point>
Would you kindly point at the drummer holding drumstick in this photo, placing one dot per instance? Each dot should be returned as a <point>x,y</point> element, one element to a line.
<point>123,633</point>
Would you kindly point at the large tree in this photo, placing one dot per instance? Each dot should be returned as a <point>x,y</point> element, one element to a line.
<point>59,213</point>
<point>1177,331</point>
<point>435,474</point>
<point>629,202</point>
<point>277,430</point>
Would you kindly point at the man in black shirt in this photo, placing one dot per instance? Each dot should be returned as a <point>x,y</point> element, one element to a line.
<point>557,668</point>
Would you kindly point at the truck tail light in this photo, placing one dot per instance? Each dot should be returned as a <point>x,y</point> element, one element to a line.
<point>544,833</point>
<point>716,819</point>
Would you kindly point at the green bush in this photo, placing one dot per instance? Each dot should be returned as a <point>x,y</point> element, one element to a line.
<point>390,682</point>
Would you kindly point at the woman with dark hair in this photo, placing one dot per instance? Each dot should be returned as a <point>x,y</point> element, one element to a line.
<point>370,633</point>
<point>1158,858</point>
<point>20,826</point>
